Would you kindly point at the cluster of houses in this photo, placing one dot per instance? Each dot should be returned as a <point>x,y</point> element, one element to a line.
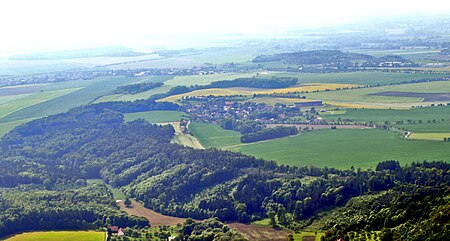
<point>115,230</point>
<point>212,109</point>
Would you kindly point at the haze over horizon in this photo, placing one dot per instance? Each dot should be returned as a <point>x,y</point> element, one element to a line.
<point>33,26</point>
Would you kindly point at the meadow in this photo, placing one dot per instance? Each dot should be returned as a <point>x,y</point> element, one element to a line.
<point>206,79</point>
<point>211,135</point>
<point>440,127</point>
<point>155,116</point>
<point>344,148</point>
<point>359,78</point>
<point>365,98</point>
<point>59,236</point>
<point>83,96</point>
<point>10,107</point>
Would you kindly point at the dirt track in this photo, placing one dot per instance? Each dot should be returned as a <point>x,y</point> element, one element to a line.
<point>260,233</point>
<point>155,218</point>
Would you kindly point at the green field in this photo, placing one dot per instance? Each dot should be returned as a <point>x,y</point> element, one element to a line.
<point>211,135</point>
<point>97,87</point>
<point>380,116</point>
<point>344,148</point>
<point>155,116</point>
<point>60,236</point>
<point>364,98</point>
<point>206,79</point>
<point>299,236</point>
<point>359,78</point>
<point>11,107</point>
<point>429,136</point>
<point>441,127</point>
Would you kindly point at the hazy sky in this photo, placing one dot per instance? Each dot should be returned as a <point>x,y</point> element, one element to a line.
<point>28,25</point>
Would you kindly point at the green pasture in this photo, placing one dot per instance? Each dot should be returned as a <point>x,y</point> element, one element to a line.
<point>211,135</point>
<point>344,148</point>
<point>59,236</point>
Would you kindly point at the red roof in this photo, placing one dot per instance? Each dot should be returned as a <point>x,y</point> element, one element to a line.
<point>113,228</point>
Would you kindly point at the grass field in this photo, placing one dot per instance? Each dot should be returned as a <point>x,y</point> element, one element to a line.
<point>429,136</point>
<point>83,96</point>
<point>380,116</point>
<point>441,127</point>
<point>301,235</point>
<point>155,116</point>
<point>359,78</point>
<point>11,107</point>
<point>344,148</point>
<point>206,79</point>
<point>250,91</point>
<point>211,135</point>
<point>60,236</point>
<point>359,98</point>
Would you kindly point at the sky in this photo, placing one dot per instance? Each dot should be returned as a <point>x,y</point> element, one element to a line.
<point>42,25</point>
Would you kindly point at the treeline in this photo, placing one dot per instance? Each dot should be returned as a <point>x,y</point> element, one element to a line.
<point>244,127</point>
<point>253,82</point>
<point>409,211</point>
<point>136,88</point>
<point>269,133</point>
<point>89,207</point>
<point>55,152</point>
<point>207,230</point>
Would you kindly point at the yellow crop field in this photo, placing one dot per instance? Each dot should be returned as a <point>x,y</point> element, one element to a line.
<point>429,136</point>
<point>310,87</point>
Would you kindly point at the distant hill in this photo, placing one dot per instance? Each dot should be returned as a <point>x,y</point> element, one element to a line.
<point>79,53</point>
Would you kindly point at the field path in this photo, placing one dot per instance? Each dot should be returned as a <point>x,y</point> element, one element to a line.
<point>183,138</point>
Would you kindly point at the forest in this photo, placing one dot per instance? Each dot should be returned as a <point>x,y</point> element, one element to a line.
<point>269,133</point>
<point>57,153</point>
<point>136,88</point>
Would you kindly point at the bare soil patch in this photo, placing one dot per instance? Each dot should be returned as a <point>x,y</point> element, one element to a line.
<point>156,219</point>
<point>260,233</point>
<point>427,97</point>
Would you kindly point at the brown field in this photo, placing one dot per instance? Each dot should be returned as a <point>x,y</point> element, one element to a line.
<point>320,127</point>
<point>260,233</point>
<point>250,231</point>
<point>156,219</point>
<point>20,89</point>
<point>427,97</point>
